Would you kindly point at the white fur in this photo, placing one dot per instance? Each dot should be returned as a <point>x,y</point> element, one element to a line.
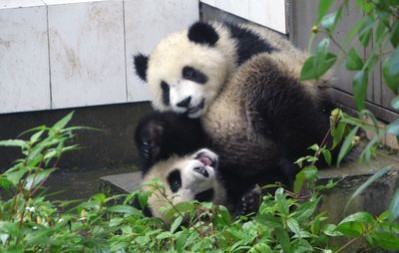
<point>192,182</point>
<point>176,51</point>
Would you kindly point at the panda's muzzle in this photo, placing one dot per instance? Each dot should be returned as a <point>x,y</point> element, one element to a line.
<point>207,159</point>
<point>202,171</point>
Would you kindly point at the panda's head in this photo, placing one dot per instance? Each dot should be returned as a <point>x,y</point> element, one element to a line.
<point>192,177</point>
<point>187,69</point>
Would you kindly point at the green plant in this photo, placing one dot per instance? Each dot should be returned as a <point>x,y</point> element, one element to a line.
<point>286,221</point>
<point>377,31</point>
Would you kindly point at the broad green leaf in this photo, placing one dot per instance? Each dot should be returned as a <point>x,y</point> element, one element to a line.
<point>143,198</point>
<point>329,21</point>
<point>293,225</point>
<point>318,64</point>
<point>308,71</point>
<point>351,229</point>
<point>366,184</point>
<point>331,230</point>
<point>225,215</point>
<point>35,179</point>
<point>13,143</point>
<point>15,176</point>
<point>324,6</point>
<point>386,241</point>
<point>394,206</point>
<point>314,67</point>
<point>361,217</point>
<point>353,60</point>
<point>63,122</point>
<point>282,202</point>
<point>181,241</point>
<point>366,30</point>
<point>347,145</point>
<point>164,235</point>
<point>338,133</point>
<point>36,136</point>
<point>360,81</point>
<point>5,183</point>
<point>380,33</point>
<point>306,210</point>
<point>176,223</point>
<point>307,174</point>
<point>391,81</point>
<point>284,240</point>
<point>327,156</point>
<point>124,209</point>
<point>262,248</point>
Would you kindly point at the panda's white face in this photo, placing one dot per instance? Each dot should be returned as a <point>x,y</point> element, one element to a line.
<point>184,76</point>
<point>185,179</point>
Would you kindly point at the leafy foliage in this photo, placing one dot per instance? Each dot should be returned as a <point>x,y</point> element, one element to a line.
<point>286,221</point>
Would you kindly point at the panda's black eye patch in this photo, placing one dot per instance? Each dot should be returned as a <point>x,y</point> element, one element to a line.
<point>194,75</point>
<point>174,180</point>
<point>165,93</point>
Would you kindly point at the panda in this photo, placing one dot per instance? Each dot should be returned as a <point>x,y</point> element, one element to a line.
<point>242,82</point>
<point>192,177</point>
<point>160,135</point>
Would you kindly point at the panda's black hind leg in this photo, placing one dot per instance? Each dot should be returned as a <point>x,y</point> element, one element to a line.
<point>249,202</point>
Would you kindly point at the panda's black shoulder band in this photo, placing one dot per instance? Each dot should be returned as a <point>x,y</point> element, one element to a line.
<point>203,33</point>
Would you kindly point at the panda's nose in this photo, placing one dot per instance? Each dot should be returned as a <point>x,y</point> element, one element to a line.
<point>184,103</point>
<point>202,171</point>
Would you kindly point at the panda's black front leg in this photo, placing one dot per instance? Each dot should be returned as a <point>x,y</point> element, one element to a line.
<point>148,138</point>
<point>249,202</point>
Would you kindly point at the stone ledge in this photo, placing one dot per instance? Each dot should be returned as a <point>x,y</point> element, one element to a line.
<point>375,199</point>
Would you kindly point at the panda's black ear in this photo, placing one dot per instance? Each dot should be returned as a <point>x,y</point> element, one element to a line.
<point>203,33</point>
<point>141,65</point>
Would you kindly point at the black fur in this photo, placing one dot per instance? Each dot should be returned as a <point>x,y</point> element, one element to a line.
<point>194,75</point>
<point>174,180</point>
<point>160,135</point>
<point>203,33</point>
<point>205,195</point>
<point>141,64</point>
<point>165,93</point>
<point>248,43</point>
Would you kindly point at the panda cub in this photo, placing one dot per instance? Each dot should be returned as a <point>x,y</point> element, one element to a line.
<point>243,83</point>
<point>192,177</point>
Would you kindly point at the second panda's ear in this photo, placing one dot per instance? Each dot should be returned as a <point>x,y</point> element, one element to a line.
<point>203,33</point>
<point>141,65</point>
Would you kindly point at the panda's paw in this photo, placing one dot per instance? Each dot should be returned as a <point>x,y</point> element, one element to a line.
<point>150,142</point>
<point>250,201</point>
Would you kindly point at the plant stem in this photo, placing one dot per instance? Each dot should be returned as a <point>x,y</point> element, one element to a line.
<point>348,244</point>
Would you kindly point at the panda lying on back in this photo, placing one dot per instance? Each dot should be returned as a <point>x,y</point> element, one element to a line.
<point>243,83</point>
<point>193,177</point>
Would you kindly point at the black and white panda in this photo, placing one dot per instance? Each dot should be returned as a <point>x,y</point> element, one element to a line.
<point>192,177</point>
<point>243,83</point>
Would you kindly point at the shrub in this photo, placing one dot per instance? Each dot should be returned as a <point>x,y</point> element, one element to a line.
<point>286,221</point>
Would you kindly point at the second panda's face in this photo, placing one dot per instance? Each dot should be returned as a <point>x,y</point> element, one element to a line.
<point>184,76</point>
<point>184,179</point>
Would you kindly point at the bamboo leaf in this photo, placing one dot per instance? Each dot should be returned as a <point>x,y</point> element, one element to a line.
<point>360,82</point>
<point>366,184</point>
<point>347,145</point>
<point>353,60</point>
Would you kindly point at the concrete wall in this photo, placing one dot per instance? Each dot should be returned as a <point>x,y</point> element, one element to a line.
<point>74,53</point>
<point>109,149</point>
